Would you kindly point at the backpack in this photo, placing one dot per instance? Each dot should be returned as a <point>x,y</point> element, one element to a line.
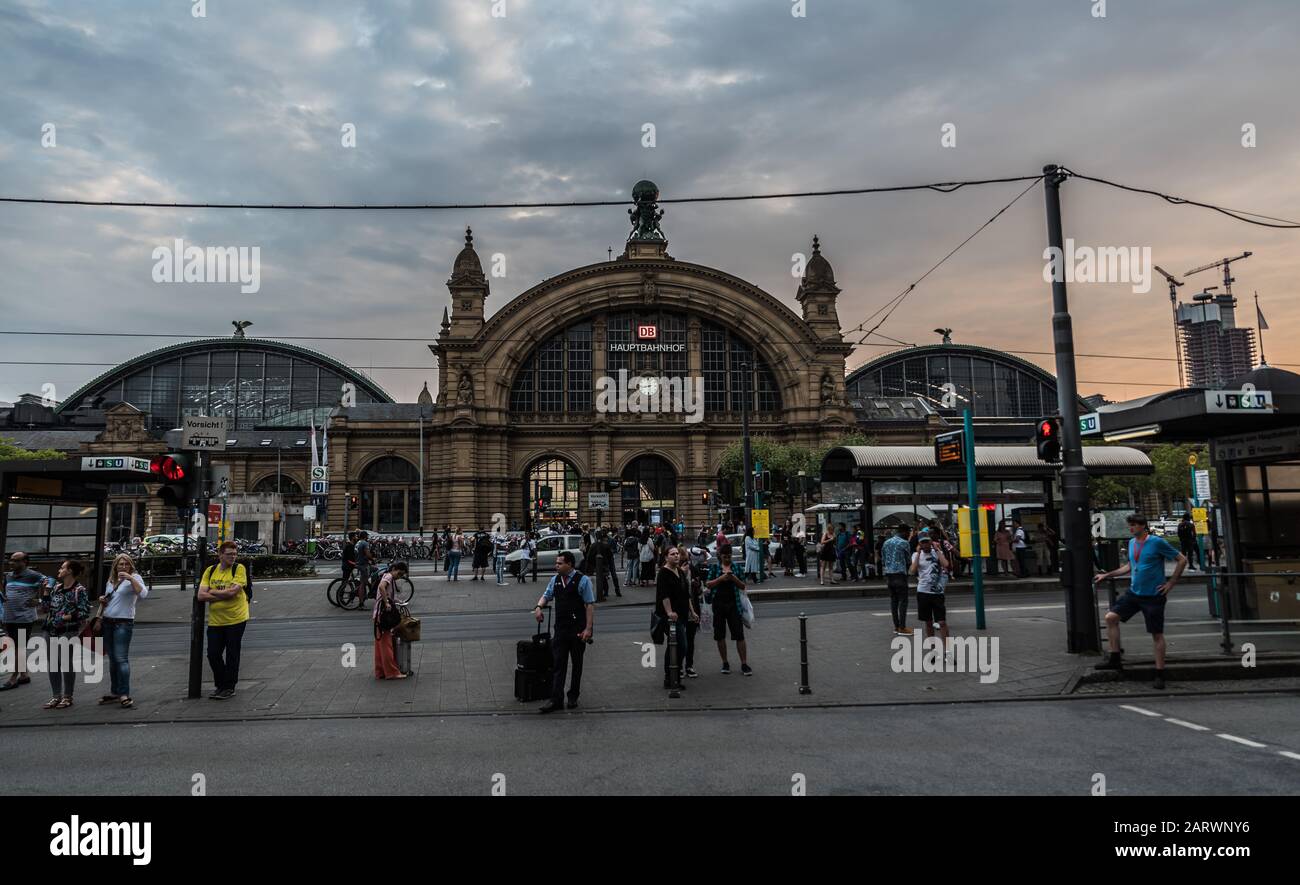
<point>248,578</point>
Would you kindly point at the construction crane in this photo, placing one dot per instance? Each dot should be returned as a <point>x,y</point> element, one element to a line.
<point>1226,264</point>
<point>1174,283</point>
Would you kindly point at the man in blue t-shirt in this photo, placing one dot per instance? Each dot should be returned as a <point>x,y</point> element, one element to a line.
<point>1148,592</point>
<point>895,560</point>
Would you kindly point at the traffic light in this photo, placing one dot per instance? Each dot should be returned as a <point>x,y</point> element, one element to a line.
<point>179,477</point>
<point>353,500</point>
<point>1047,437</point>
<point>545,493</point>
<point>704,498</point>
<point>541,505</point>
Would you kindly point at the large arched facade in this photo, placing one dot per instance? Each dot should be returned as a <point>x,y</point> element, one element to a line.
<point>644,359</point>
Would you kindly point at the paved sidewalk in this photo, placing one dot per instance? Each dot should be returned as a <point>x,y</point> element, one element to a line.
<point>434,594</point>
<point>850,662</point>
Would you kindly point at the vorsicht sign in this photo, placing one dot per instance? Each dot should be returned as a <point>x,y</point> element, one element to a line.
<point>203,433</point>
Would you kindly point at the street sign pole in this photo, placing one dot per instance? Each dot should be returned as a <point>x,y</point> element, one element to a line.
<point>196,607</point>
<point>1082,632</point>
<point>976,514</point>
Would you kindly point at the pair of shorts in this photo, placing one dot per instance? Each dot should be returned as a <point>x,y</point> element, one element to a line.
<point>728,619</point>
<point>1152,608</point>
<point>931,608</point>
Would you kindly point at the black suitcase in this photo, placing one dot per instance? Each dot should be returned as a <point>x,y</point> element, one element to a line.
<point>535,653</point>
<point>532,685</point>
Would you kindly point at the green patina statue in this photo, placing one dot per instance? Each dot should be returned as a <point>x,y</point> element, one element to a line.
<point>645,217</point>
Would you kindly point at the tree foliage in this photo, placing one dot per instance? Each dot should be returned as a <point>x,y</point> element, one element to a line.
<point>9,451</point>
<point>783,460</point>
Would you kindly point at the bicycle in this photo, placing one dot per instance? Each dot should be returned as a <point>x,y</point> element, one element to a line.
<point>351,596</point>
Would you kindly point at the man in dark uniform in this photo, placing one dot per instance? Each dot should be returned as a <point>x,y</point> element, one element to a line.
<point>349,556</point>
<point>575,614</point>
<point>600,563</point>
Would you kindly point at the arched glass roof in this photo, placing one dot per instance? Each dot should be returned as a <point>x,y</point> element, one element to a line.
<point>953,377</point>
<point>256,382</point>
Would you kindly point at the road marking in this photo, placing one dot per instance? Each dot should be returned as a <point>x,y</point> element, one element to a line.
<point>1139,710</point>
<point>1288,754</point>
<point>1192,725</point>
<point>1233,737</point>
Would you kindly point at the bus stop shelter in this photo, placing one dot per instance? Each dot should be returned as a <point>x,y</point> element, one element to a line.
<point>902,484</point>
<point>55,510</point>
<point>1253,430</point>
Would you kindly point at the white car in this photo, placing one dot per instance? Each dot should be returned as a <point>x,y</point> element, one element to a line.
<point>548,548</point>
<point>737,543</point>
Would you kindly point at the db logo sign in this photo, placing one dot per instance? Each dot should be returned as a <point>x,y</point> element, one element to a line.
<point>647,333</point>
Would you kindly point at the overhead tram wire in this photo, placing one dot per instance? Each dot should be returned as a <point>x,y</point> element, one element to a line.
<point>890,306</point>
<point>943,187</point>
<point>1237,214</point>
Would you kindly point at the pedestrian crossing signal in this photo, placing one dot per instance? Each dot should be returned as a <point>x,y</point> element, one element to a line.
<point>1047,438</point>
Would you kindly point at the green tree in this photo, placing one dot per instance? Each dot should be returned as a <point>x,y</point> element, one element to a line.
<point>783,460</point>
<point>9,451</point>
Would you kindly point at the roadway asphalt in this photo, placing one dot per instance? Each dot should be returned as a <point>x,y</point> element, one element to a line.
<point>1195,745</point>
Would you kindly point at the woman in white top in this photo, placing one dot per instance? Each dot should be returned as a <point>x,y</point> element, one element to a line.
<point>117,608</point>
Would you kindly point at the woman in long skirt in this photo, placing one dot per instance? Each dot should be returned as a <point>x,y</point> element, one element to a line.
<point>385,657</point>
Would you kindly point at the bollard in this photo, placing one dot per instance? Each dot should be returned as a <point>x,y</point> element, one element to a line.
<point>1226,643</point>
<point>674,669</point>
<point>803,654</point>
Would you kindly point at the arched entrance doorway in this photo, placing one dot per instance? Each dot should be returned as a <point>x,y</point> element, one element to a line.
<point>649,489</point>
<point>390,496</point>
<point>553,481</point>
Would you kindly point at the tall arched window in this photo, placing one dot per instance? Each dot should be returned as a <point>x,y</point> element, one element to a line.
<point>390,496</point>
<point>285,485</point>
<point>554,479</point>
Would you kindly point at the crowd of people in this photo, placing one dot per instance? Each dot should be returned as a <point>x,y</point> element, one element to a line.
<point>60,607</point>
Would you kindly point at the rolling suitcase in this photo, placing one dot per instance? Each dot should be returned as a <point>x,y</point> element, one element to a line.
<point>402,654</point>
<point>534,665</point>
<point>535,653</point>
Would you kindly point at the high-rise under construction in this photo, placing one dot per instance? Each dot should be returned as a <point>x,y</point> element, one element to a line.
<point>1215,349</point>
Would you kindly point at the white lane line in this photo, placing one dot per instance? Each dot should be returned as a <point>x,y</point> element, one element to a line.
<point>1140,710</point>
<point>1235,739</point>
<point>1288,754</point>
<point>1185,724</point>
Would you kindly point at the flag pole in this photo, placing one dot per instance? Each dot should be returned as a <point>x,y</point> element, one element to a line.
<point>1260,325</point>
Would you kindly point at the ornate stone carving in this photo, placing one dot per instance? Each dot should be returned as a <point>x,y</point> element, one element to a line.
<point>465,390</point>
<point>646,215</point>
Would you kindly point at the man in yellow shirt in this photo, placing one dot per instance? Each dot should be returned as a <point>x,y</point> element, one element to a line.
<point>222,587</point>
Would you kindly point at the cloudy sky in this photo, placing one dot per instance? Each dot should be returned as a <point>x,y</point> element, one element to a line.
<point>549,101</point>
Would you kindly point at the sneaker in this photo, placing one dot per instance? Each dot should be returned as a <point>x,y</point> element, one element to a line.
<point>216,695</point>
<point>904,631</point>
<point>1160,679</point>
<point>224,695</point>
<point>746,669</point>
<point>726,668</point>
<point>691,674</point>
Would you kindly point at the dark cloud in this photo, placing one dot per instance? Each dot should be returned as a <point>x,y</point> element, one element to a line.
<point>450,104</point>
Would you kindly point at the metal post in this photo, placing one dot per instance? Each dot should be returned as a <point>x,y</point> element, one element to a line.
<point>976,516</point>
<point>674,668</point>
<point>803,654</point>
<point>197,608</point>
<point>1082,631</point>
<point>1218,587</point>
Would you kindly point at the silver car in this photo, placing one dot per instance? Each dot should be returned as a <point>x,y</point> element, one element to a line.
<point>548,549</point>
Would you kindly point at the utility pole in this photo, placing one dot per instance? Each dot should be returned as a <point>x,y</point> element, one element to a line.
<point>1082,632</point>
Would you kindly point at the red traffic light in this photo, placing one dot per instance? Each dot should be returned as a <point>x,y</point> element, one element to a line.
<point>167,467</point>
<point>1046,427</point>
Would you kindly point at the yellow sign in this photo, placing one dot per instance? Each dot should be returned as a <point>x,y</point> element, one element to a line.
<point>965,547</point>
<point>762,528</point>
<point>1201,516</point>
<point>1191,460</point>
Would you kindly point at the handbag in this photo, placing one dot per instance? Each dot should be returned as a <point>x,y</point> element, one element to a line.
<point>746,610</point>
<point>389,617</point>
<point>658,627</point>
<point>408,627</point>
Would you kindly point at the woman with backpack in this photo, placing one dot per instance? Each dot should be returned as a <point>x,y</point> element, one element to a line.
<point>386,617</point>
<point>67,606</point>
<point>649,558</point>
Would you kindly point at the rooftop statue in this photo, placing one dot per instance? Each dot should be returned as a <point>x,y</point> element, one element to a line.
<point>646,215</point>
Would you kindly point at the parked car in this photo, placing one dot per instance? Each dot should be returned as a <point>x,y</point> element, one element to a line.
<point>548,548</point>
<point>737,543</point>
